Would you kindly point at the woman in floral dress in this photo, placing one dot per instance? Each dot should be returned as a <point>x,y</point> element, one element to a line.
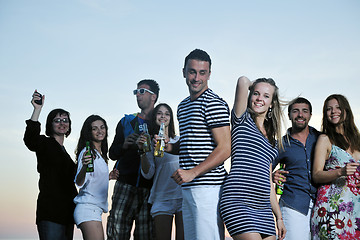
<point>336,213</point>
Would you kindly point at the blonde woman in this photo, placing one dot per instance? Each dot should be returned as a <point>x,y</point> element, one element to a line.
<point>248,199</point>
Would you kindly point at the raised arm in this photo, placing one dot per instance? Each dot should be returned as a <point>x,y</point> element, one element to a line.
<point>32,132</point>
<point>241,95</point>
<point>37,107</point>
<point>218,156</point>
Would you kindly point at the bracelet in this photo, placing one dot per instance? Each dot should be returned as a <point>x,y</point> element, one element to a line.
<point>279,219</point>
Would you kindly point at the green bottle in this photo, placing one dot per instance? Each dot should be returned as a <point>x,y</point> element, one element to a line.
<point>279,189</point>
<point>90,166</point>
<point>147,144</point>
<point>136,129</point>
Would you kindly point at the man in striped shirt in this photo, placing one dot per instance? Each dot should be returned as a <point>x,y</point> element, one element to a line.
<point>205,144</point>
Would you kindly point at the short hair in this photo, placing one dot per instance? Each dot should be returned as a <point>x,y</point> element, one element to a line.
<point>299,100</point>
<point>200,55</point>
<point>49,130</point>
<point>153,85</point>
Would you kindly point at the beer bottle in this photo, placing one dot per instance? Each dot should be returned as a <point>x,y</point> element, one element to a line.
<point>136,129</point>
<point>90,166</point>
<point>279,189</point>
<point>160,144</point>
<point>147,144</point>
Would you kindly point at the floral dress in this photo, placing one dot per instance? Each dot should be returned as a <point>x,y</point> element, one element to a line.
<point>336,213</point>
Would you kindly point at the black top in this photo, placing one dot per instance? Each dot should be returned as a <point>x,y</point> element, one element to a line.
<point>57,172</point>
<point>128,160</point>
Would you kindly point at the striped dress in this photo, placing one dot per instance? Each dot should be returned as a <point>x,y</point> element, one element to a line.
<point>245,201</point>
<point>196,119</point>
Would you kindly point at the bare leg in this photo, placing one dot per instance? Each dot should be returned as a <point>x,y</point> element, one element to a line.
<point>92,230</point>
<point>163,226</point>
<point>252,236</point>
<point>179,226</point>
<point>270,238</point>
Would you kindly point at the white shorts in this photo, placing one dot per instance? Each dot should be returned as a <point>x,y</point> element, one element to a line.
<point>201,213</point>
<point>167,207</point>
<point>297,224</point>
<point>86,213</point>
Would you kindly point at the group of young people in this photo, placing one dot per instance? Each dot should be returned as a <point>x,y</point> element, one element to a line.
<point>189,183</point>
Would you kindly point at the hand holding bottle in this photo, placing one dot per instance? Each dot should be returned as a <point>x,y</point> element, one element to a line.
<point>86,159</point>
<point>278,175</point>
<point>147,143</point>
<point>141,139</point>
<point>281,179</point>
<point>130,140</point>
<point>160,143</point>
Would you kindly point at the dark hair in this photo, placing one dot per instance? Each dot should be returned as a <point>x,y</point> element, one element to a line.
<point>299,100</point>
<point>154,128</point>
<point>49,130</point>
<point>153,85</point>
<point>272,122</point>
<point>200,55</point>
<point>86,136</point>
<point>351,137</point>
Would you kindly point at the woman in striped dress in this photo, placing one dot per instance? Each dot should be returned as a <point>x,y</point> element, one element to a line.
<point>248,197</point>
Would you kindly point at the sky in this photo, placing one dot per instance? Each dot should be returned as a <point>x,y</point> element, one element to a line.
<point>87,56</point>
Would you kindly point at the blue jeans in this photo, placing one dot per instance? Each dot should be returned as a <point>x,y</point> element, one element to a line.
<point>55,231</point>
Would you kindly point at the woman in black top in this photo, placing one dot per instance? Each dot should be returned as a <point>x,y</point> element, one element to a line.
<point>55,206</point>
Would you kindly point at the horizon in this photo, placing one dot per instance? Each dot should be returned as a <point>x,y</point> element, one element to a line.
<point>86,56</point>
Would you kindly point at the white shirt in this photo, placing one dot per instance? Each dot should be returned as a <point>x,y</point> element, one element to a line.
<point>164,187</point>
<point>95,187</point>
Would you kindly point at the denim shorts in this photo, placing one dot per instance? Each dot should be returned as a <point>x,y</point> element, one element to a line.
<point>167,207</point>
<point>55,231</point>
<point>86,213</point>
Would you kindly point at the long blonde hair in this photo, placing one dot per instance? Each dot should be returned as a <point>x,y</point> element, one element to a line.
<point>274,118</point>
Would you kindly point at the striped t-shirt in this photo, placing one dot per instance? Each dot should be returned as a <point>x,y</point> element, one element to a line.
<point>196,119</point>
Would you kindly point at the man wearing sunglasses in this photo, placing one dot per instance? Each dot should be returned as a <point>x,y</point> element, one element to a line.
<point>131,190</point>
<point>204,146</point>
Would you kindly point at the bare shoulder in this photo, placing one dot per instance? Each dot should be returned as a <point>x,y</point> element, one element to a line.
<point>323,138</point>
<point>324,141</point>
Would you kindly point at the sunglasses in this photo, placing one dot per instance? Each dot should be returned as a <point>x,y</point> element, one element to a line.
<point>142,91</point>
<point>59,120</point>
